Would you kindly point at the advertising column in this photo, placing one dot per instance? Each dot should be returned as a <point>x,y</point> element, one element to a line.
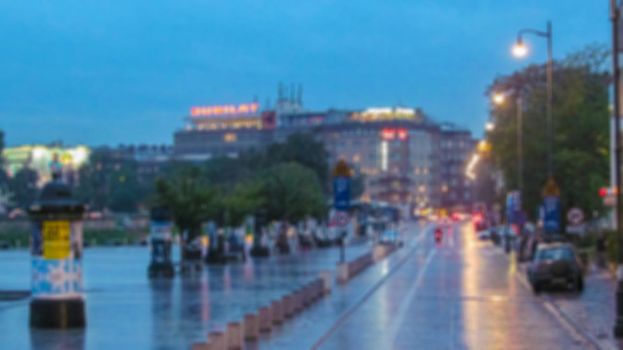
<point>56,248</point>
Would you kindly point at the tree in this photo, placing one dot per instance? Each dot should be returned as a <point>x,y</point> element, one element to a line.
<point>23,185</point>
<point>4,178</point>
<point>245,200</point>
<point>292,192</point>
<point>191,201</point>
<point>109,181</point>
<point>305,150</point>
<point>581,129</point>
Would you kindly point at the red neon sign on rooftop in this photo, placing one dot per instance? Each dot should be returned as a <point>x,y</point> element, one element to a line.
<point>389,134</point>
<point>206,111</point>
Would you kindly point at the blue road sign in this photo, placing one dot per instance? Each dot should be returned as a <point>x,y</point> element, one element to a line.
<point>341,193</point>
<point>551,214</point>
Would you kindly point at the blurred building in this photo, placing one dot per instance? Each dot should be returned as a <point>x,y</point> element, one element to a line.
<point>405,158</point>
<point>41,158</point>
<point>456,147</point>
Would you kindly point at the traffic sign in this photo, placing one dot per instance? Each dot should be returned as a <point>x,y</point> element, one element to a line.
<point>341,186</point>
<point>575,216</point>
<point>339,219</point>
<point>551,214</point>
<point>551,188</point>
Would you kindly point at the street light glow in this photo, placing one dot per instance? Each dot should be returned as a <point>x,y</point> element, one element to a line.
<point>489,126</point>
<point>520,49</point>
<point>498,98</point>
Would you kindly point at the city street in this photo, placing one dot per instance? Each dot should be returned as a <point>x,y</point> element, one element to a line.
<point>463,293</point>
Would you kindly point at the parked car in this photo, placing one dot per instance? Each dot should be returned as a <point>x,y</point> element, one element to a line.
<point>556,264</point>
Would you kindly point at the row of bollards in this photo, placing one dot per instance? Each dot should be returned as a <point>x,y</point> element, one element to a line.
<point>267,317</point>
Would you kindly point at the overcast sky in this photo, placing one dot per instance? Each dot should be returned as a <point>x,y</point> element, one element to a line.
<point>112,71</point>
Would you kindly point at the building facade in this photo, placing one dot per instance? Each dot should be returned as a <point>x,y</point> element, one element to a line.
<point>404,158</point>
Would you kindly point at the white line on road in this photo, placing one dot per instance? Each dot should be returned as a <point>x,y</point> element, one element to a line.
<point>407,301</point>
<point>345,315</point>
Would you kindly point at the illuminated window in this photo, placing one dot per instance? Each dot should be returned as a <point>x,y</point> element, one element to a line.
<point>230,137</point>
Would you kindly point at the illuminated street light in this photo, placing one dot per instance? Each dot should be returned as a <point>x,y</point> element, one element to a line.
<point>520,49</point>
<point>489,126</point>
<point>498,98</point>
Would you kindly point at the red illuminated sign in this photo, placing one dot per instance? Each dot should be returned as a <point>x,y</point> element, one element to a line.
<point>389,134</point>
<point>207,111</point>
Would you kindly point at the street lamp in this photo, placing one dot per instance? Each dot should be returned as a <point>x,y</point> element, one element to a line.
<point>489,126</point>
<point>521,50</point>
<point>499,98</point>
<point>615,16</point>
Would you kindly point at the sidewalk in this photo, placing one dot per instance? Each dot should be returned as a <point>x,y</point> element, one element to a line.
<point>593,312</point>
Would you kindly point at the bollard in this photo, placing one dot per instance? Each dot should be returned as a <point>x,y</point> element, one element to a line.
<point>56,247</point>
<point>286,303</point>
<point>316,289</point>
<point>234,336</point>
<point>326,282</point>
<point>200,346</point>
<point>161,226</point>
<point>265,319</point>
<point>378,253</point>
<point>251,327</point>
<point>277,307</point>
<point>342,273</point>
<point>305,293</point>
<point>216,340</point>
<point>296,302</point>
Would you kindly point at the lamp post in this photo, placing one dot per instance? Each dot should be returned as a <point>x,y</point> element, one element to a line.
<point>615,15</point>
<point>521,50</point>
<point>499,99</point>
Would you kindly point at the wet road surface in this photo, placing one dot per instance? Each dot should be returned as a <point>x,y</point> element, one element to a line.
<point>461,294</point>
<point>125,310</point>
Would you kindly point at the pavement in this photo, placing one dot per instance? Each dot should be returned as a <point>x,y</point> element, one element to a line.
<point>125,310</point>
<point>460,294</point>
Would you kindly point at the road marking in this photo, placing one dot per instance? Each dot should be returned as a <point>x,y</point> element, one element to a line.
<point>346,314</point>
<point>407,301</point>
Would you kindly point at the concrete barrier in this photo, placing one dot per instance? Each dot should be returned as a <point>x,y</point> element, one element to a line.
<point>234,336</point>
<point>266,319</point>
<point>326,277</point>
<point>342,273</point>
<point>277,306</point>
<point>297,298</point>
<point>307,294</point>
<point>251,327</point>
<point>216,340</point>
<point>379,252</point>
<point>287,306</point>
<point>319,290</point>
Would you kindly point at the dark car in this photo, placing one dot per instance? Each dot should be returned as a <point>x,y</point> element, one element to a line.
<point>556,264</point>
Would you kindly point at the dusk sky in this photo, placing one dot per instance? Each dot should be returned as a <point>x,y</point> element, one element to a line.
<point>110,72</point>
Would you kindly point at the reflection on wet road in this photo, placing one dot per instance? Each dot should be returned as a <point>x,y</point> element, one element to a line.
<point>462,293</point>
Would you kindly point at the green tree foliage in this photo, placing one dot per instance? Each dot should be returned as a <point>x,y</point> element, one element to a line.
<point>581,129</point>
<point>111,182</point>
<point>4,178</point>
<point>305,150</point>
<point>23,186</point>
<point>190,199</point>
<point>292,192</point>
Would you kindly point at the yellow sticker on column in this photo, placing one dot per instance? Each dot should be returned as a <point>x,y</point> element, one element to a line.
<point>56,239</point>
